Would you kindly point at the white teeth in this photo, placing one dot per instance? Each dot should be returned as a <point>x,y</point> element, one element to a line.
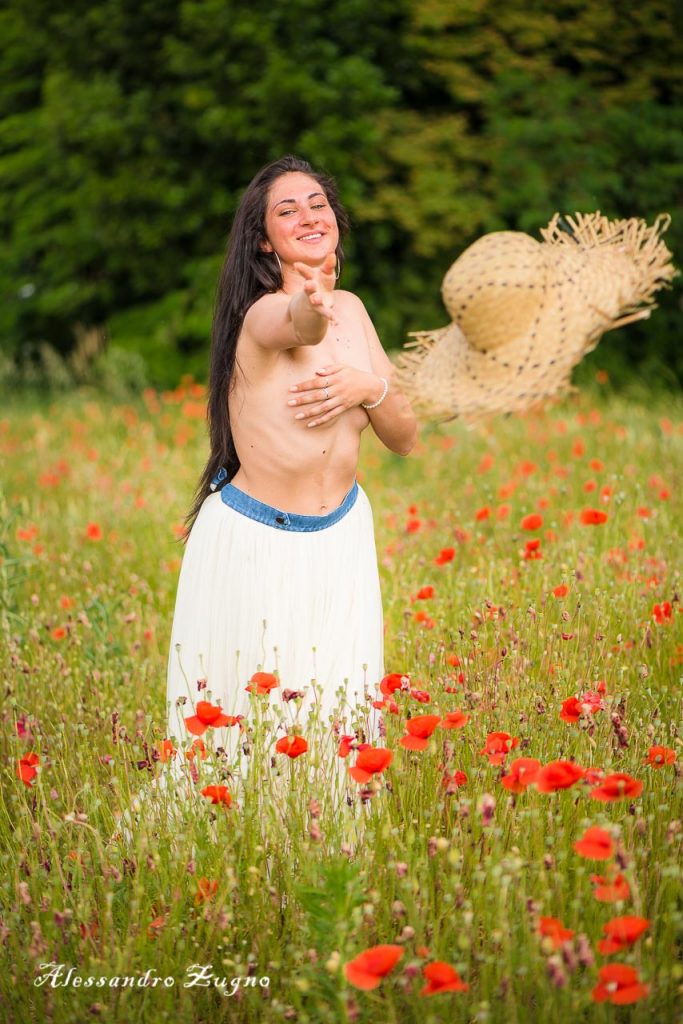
<point>306,238</point>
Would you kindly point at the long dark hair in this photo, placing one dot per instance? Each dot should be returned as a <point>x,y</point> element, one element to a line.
<point>247,274</point>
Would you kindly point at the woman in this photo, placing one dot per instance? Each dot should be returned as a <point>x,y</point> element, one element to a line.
<point>279,573</point>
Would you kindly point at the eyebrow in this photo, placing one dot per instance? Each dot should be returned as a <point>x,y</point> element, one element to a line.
<point>293,201</point>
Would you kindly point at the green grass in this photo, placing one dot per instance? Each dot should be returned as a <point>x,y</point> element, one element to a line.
<point>85,632</point>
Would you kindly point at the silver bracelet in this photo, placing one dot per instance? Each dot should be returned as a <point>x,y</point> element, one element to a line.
<point>384,395</point>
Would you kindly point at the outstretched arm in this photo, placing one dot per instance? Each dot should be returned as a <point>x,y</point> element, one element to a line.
<point>279,321</point>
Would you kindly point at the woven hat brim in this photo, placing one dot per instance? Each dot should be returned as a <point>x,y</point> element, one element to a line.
<point>601,276</point>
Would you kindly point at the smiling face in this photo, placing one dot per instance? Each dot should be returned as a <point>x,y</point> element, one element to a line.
<point>300,223</point>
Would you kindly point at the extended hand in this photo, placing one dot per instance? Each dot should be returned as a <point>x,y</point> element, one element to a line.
<point>319,285</point>
<point>332,391</point>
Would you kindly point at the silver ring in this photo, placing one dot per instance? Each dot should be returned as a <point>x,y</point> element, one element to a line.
<point>327,394</point>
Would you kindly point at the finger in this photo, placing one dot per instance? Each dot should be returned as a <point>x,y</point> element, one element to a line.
<point>307,398</point>
<point>327,417</point>
<point>305,385</point>
<point>316,407</point>
<point>329,263</point>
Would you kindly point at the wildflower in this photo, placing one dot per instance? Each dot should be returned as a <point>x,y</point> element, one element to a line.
<point>553,929</point>
<point>419,729</point>
<point>441,977</point>
<point>557,775</point>
<point>370,761</point>
<point>482,513</point>
<point>534,521</point>
<point>663,613</point>
<point>621,933</point>
<point>394,681</point>
<point>587,704</point>
<point>217,795</point>
<point>596,844</point>
<point>198,747</point>
<point>262,682</point>
<point>561,591</point>
<point>26,768</point>
<point>423,594</point>
<point>522,773</point>
<point>206,890</point>
<point>619,984</point>
<point>293,746</point>
<point>206,715</point>
<point>498,745</point>
<point>444,556</point>
<point>345,745</point>
<point>618,786</point>
<point>452,782</point>
<point>93,531</point>
<point>369,967</point>
<point>454,720</point>
<point>593,517</point>
<point>166,751</point>
<point>657,757</point>
<point>532,550</point>
<point>610,890</point>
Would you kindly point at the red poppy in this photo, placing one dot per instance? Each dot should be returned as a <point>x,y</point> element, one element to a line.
<point>207,715</point>
<point>166,751</point>
<point>444,556</point>
<point>262,682</point>
<point>558,775</point>
<point>593,517</point>
<point>596,844</point>
<point>621,933</point>
<point>94,531</point>
<point>561,591</point>
<point>553,929</point>
<point>663,613</point>
<point>619,984</point>
<point>345,745</point>
<point>482,513</point>
<point>454,720</point>
<point>413,525</point>
<point>198,747</point>
<point>421,696</point>
<point>610,890</point>
<point>618,786</point>
<point>388,704</point>
<point>657,757</point>
<point>498,745</point>
<point>522,773</point>
<point>534,521</point>
<point>292,746</point>
<point>370,761</point>
<point>441,977</point>
<point>26,768</point>
<point>571,710</point>
<point>453,782</point>
<point>206,890</point>
<point>368,968</point>
<point>423,594</point>
<point>217,795</point>
<point>394,681</point>
<point>419,730</point>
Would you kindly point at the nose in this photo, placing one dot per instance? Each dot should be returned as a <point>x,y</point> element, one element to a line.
<point>309,216</point>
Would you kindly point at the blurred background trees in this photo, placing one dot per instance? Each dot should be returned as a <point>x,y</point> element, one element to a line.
<point>129,128</point>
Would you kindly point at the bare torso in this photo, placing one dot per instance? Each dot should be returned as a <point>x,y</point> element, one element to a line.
<point>283,462</point>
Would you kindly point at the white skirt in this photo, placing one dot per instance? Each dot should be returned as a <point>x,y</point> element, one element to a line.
<point>304,605</point>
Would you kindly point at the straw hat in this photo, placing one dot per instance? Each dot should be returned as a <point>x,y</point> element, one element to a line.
<point>525,312</point>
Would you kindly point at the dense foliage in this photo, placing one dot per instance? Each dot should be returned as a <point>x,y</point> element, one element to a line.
<point>128,130</point>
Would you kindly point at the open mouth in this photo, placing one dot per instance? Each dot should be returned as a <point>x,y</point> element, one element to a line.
<point>315,236</point>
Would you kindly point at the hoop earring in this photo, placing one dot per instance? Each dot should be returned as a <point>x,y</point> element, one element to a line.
<point>338,273</point>
<point>278,263</point>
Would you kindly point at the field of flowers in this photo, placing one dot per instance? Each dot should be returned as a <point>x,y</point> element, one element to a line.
<point>512,852</point>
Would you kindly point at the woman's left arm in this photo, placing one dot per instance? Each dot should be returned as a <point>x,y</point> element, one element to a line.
<point>338,387</point>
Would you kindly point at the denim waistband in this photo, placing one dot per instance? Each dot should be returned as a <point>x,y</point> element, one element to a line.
<point>281,520</point>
